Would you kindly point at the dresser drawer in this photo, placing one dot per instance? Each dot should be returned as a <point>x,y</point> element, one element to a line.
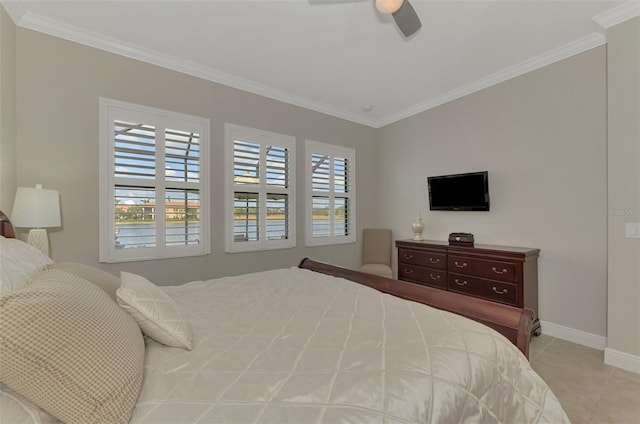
<point>418,274</point>
<point>495,270</point>
<point>425,259</point>
<point>487,289</point>
<point>500,274</point>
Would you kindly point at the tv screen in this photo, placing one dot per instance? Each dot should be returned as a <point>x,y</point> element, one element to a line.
<point>459,192</point>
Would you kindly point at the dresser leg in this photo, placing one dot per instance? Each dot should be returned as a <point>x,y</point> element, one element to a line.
<point>536,329</point>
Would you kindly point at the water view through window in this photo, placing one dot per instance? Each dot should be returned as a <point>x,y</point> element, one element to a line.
<point>135,216</point>
<point>142,235</point>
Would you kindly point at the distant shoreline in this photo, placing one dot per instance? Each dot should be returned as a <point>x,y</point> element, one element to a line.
<point>236,219</point>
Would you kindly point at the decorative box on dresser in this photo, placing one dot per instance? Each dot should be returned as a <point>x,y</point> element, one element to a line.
<point>498,273</point>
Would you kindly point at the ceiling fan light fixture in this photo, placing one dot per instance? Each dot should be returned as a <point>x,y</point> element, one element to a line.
<point>388,6</point>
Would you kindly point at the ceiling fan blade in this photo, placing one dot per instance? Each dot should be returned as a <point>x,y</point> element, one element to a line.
<point>407,19</point>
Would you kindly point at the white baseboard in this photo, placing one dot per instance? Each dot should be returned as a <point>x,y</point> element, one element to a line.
<point>572,335</point>
<point>622,360</point>
<point>612,357</point>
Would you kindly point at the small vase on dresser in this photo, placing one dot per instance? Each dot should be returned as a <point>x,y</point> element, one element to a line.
<point>417,228</point>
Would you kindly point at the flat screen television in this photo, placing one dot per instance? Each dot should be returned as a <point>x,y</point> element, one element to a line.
<point>459,192</point>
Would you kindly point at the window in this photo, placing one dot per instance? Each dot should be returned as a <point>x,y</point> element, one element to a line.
<point>331,194</point>
<point>154,183</point>
<point>260,190</point>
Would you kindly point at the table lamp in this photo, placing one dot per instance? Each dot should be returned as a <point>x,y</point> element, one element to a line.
<point>36,208</point>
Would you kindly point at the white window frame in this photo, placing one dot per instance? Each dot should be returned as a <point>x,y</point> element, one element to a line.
<point>332,151</point>
<point>263,138</point>
<point>111,110</point>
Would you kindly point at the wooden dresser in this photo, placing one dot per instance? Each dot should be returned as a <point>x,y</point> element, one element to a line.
<point>501,274</point>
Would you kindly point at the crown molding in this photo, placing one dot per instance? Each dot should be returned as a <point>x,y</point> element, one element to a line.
<point>617,15</point>
<point>536,62</point>
<point>28,20</point>
<point>15,9</point>
<point>99,41</point>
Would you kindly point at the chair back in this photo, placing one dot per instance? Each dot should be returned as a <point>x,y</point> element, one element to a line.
<point>376,246</point>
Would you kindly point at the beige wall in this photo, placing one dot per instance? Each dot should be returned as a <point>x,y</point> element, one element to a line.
<point>542,137</point>
<point>624,188</point>
<point>7,112</point>
<point>59,84</point>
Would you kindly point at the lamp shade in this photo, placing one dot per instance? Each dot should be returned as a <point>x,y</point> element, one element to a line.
<point>36,208</point>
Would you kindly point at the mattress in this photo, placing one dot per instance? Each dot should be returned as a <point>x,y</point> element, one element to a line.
<point>295,346</point>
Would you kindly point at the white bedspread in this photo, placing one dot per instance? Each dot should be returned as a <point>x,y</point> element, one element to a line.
<point>294,346</point>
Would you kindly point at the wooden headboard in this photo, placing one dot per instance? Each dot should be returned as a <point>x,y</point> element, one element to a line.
<point>6,229</point>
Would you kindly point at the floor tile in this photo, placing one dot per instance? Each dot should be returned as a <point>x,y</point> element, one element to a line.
<point>620,401</point>
<point>578,393</point>
<point>538,344</point>
<point>589,390</point>
<point>577,359</point>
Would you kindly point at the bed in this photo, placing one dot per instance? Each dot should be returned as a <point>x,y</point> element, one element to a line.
<point>312,343</point>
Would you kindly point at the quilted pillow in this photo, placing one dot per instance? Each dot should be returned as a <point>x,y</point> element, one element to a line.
<point>67,347</point>
<point>154,311</point>
<point>107,282</point>
<point>18,262</point>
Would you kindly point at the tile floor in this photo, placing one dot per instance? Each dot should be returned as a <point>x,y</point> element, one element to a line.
<point>589,390</point>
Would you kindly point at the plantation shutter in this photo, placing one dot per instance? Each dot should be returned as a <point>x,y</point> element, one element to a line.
<point>342,199</point>
<point>182,203</point>
<point>261,190</point>
<point>135,175</point>
<point>153,183</point>
<point>331,185</point>
<point>331,201</point>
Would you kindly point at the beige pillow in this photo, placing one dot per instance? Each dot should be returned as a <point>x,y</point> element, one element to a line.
<point>67,347</point>
<point>107,282</point>
<point>154,311</point>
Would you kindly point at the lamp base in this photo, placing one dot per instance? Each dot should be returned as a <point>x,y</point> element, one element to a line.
<point>38,239</point>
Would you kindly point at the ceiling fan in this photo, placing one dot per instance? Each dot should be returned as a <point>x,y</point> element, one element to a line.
<point>403,14</point>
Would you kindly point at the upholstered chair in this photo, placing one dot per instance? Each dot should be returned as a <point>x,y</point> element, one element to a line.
<point>376,252</point>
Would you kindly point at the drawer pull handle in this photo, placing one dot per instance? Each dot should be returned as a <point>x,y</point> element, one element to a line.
<point>434,261</point>
<point>495,290</point>
<point>434,277</point>
<point>504,270</point>
<point>408,271</point>
<point>464,264</point>
<point>462,283</point>
<point>408,256</point>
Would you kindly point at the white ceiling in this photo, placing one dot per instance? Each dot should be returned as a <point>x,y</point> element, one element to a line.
<point>336,57</point>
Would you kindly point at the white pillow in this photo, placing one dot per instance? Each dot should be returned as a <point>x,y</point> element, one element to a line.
<point>16,409</point>
<point>154,311</point>
<point>18,262</point>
